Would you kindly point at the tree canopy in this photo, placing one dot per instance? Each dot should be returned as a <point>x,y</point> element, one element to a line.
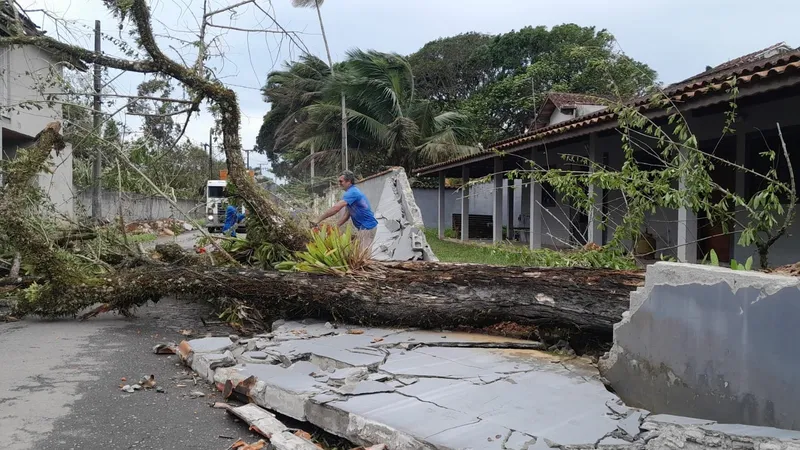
<point>451,97</point>
<point>388,123</point>
<point>498,81</point>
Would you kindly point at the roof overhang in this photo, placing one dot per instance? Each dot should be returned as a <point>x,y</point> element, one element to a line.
<point>775,74</point>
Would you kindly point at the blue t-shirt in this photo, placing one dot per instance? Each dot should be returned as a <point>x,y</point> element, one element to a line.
<point>360,211</point>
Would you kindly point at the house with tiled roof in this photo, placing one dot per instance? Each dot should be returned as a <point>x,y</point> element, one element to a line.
<point>768,84</point>
<point>26,80</point>
<point>562,106</point>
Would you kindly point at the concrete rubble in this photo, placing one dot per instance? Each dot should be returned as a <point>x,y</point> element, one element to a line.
<point>400,235</point>
<point>427,390</point>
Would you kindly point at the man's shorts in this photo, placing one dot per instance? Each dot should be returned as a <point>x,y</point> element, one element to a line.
<point>365,238</point>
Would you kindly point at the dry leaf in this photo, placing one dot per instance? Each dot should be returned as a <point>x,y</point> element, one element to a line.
<point>377,340</point>
<point>303,434</point>
<point>186,332</point>
<point>355,331</point>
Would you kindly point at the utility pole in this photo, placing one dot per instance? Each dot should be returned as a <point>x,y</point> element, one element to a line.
<point>97,213</point>
<point>210,152</point>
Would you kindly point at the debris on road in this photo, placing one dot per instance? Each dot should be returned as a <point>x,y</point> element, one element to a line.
<point>164,349</point>
<point>242,445</point>
<point>127,388</point>
<point>196,394</point>
<point>148,382</point>
<point>267,425</point>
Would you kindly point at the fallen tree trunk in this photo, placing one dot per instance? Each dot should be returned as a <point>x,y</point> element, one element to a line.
<point>424,295</point>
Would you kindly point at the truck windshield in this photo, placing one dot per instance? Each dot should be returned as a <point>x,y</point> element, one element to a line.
<point>216,192</point>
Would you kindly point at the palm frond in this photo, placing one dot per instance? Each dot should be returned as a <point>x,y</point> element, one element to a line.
<point>307,3</point>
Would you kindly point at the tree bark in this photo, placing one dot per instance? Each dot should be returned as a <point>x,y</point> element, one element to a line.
<point>424,295</point>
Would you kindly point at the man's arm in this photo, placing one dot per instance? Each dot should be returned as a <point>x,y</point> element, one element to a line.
<point>332,211</point>
<point>345,218</point>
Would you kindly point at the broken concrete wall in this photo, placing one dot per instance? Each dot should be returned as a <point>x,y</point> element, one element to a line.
<point>425,390</point>
<point>710,342</point>
<point>401,231</point>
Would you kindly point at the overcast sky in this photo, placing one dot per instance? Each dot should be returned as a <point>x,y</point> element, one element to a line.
<point>677,38</point>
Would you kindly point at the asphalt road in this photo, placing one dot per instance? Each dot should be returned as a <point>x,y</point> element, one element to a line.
<point>59,384</point>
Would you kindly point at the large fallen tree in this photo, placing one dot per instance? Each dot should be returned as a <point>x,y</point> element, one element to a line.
<point>427,295</point>
<point>62,281</point>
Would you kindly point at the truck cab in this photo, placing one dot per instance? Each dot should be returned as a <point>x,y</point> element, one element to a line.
<point>216,203</point>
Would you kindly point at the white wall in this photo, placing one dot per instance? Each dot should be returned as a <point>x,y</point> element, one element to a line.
<point>28,76</point>
<point>58,184</point>
<point>30,72</point>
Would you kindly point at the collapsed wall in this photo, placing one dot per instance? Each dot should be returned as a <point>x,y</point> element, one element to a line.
<point>400,235</point>
<point>710,342</point>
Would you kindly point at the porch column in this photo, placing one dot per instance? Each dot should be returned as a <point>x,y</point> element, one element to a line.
<point>441,218</point>
<point>510,210</point>
<point>497,211</point>
<point>594,233</point>
<point>535,206</point>
<point>687,229</point>
<point>741,159</point>
<point>465,203</point>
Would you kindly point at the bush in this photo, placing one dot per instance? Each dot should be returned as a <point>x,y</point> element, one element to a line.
<point>330,251</point>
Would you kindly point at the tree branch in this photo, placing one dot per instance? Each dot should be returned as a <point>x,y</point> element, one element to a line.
<point>49,44</point>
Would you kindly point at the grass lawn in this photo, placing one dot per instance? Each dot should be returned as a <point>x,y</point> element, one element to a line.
<point>510,255</point>
<point>148,237</point>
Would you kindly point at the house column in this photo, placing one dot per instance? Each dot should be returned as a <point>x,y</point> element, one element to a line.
<point>594,233</point>
<point>687,228</point>
<point>497,211</point>
<point>741,159</point>
<point>510,210</point>
<point>465,203</point>
<point>440,220</point>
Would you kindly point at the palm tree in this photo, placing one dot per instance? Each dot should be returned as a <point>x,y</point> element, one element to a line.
<point>316,4</point>
<point>388,123</point>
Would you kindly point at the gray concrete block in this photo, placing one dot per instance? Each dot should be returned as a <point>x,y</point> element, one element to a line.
<point>710,342</point>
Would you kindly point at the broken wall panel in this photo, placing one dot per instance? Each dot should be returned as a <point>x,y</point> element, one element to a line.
<point>710,342</point>
<point>401,230</point>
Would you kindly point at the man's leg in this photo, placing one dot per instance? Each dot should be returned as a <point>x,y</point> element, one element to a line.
<point>365,239</point>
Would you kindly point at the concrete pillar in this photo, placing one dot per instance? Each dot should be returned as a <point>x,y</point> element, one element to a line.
<point>510,191</point>
<point>741,159</point>
<point>497,210</point>
<point>535,240</point>
<point>594,233</point>
<point>441,219</point>
<point>465,203</point>
<point>687,230</point>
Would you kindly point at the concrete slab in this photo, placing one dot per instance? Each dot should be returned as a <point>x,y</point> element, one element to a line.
<point>371,388</point>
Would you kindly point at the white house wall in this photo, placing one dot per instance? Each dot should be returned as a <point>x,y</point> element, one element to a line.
<point>30,68</point>
<point>58,185</point>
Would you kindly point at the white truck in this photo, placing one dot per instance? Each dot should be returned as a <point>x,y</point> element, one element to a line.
<point>216,204</point>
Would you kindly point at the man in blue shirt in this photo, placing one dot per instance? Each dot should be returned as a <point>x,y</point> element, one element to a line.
<point>357,209</point>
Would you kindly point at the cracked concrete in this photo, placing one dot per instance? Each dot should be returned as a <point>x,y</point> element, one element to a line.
<point>710,342</point>
<point>397,387</point>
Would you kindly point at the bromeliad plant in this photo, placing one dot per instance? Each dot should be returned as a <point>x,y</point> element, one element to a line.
<point>330,251</point>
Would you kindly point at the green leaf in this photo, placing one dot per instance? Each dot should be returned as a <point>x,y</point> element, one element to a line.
<point>749,263</point>
<point>714,258</point>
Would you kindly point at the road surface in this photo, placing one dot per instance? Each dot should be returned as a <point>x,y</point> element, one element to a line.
<point>59,384</point>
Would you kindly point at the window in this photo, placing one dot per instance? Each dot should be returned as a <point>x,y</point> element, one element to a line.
<point>568,111</point>
<point>216,192</point>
